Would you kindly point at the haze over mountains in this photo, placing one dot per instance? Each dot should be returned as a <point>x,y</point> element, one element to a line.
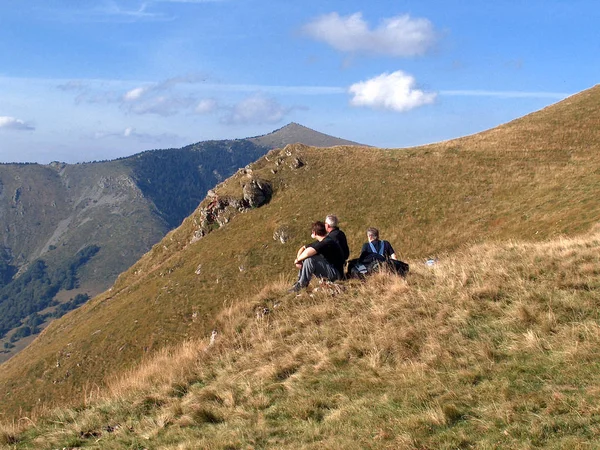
<point>113,211</point>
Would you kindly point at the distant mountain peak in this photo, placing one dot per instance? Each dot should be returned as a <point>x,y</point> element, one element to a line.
<point>293,133</point>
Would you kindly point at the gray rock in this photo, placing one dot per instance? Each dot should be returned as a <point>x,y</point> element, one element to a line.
<point>257,193</point>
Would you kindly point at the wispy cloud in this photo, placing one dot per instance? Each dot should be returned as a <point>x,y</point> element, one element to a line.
<point>130,133</point>
<point>12,123</point>
<point>398,36</point>
<point>113,9</point>
<point>119,11</point>
<point>162,105</point>
<point>110,11</point>
<point>159,98</point>
<point>206,106</point>
<point>187,94</point>
<point>394,91</point>
<point>96,92</point>
<point>81,85</point>
<point>505,94</point>
<point>274,89</point>
<point>256,109</point>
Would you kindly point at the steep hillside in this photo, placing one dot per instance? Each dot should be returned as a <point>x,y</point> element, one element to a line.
<point>49,213</point>
<point>427,201</point>
<point>495,346</point>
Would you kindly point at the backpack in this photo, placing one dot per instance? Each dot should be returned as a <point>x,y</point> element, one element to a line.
<point>374,261</point>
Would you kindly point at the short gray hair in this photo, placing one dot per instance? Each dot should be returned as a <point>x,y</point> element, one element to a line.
<point>332,221</point>
<point>373,232</point>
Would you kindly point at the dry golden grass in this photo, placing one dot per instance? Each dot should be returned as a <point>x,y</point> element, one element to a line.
<point>495,346</point>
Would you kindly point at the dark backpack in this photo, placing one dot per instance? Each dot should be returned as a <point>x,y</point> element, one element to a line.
<point>369,262</point>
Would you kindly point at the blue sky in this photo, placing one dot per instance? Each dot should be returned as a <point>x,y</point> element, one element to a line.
<point>84,80</point>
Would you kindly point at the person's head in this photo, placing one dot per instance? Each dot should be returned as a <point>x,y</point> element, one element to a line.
<point>318,229</point>
<point>331,222</point>
<point>372,234</point>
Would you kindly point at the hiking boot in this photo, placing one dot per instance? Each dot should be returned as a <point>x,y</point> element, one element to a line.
<point>295,288</point>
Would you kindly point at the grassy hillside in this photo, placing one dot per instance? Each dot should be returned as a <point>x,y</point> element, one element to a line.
<point>50,212</point>
<point>533,179</point>
<point>496,346</point>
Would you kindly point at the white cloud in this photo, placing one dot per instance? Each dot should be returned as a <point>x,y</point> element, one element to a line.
<point>256,109</point>
<point>395,91</point>
<point>134,94</point>
<point>10,123</point>
<point>162,105</point>
<point>128,132</point>
<point>155,99</point>
<point>396,36</point>
<point>206,106</point>
<point>161,98</point>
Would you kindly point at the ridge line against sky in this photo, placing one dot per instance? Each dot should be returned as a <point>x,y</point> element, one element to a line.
<point>384,74</point>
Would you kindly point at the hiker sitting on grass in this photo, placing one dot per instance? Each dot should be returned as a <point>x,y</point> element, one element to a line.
<point>383,248</point>
<point>334,232</point>
<point>374,256</point>
<point>322,258</point>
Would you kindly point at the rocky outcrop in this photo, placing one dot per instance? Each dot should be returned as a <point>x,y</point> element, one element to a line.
<point>282,234</point>
<point>220,210</point>
<point>257,193</point>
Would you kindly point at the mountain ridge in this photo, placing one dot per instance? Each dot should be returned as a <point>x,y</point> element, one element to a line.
<point>296,133</point>
<point>123,206</point>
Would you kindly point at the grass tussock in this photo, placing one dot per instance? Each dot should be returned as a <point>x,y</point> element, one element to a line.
<point>495,346</point>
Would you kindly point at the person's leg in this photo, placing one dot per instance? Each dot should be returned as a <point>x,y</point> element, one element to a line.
<point>318,266</point>
<point>307,271</point>
<point>325,270</point>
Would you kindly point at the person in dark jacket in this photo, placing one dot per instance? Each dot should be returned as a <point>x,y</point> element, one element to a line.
<point>334,232</point>
<point>323,258</point>
<point>375,255</point>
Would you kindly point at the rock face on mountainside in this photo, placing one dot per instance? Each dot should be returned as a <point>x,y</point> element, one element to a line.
<point>49,213</point>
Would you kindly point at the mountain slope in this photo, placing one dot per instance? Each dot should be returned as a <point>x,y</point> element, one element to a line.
<point>495,346</point>
<point>427,201</point>
<point>123,207</point>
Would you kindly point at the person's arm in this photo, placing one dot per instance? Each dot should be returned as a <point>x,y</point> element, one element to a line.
<point>306,253</point>
<point>345,248</point>
<point>296,263</point>
<point>391,251</point>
